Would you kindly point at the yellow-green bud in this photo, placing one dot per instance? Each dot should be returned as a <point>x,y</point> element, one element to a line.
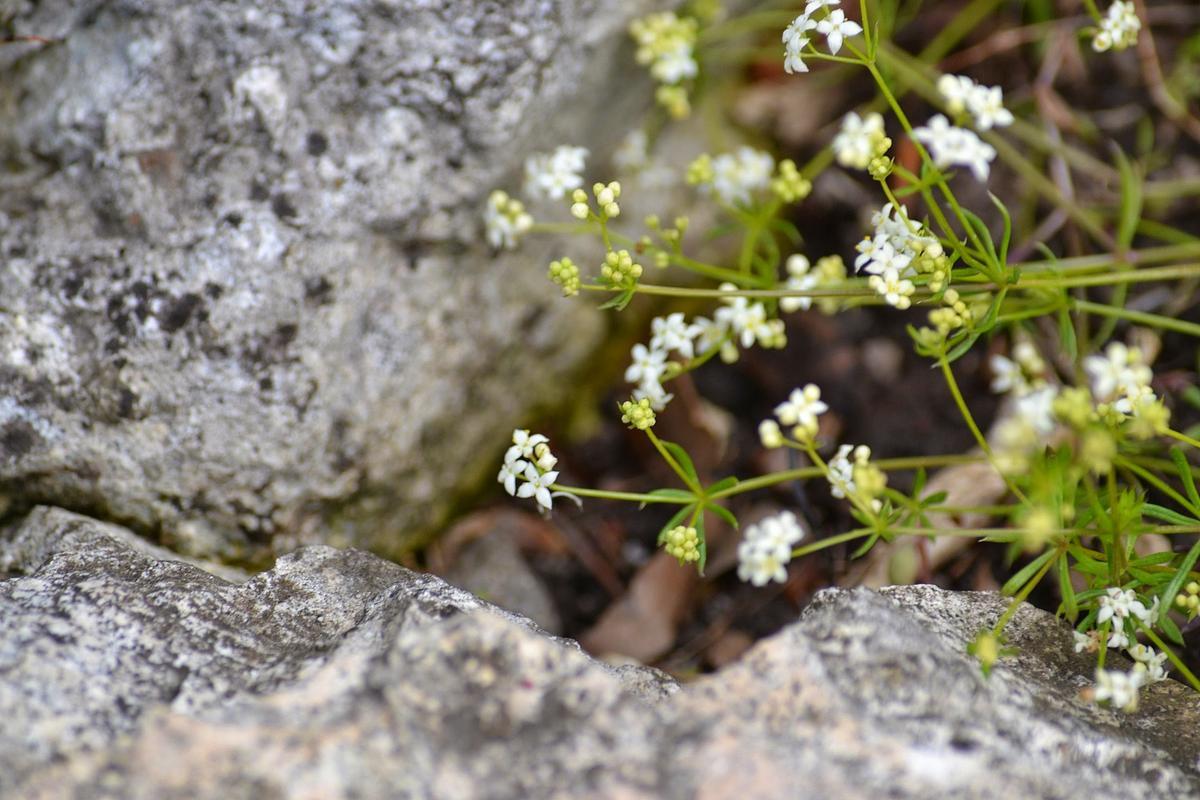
<point>638,414</point>
<point>1074,407</point>
<point>565,274</point>
<point>700,171</point>
<point>620,270</point>
<point>683,543</point>
<point>789,185</point>
<point>675,100</point>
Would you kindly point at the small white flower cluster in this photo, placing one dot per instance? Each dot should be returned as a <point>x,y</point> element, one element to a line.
<point>1122,606</point>
<point>857,479</point>
<point>833,25</point>
<point>547,176</point>
<point>1119,688</point>
<point>765,551</point>
<point>528,469</point>
<point>1022,377</point>
<point>736,176</point>
<point>506,220</point>
<point>649,364</point>
<point>551,176</point>
<point>985,104</point>
<point>950,146</point>
<point>1118,29</point>
<point>799,412</point>
<point>802,276</point>
<point>897,251</point>
<point>860,141</point>
<point>666,43</point>
<point>1121,378</point>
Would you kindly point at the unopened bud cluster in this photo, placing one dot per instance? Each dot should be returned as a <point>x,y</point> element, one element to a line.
<point>683,542</point>
<point>1188,600</point>
<point>619,269</point>
<point>638,414</point>
<point>566,274</point>
<point>788,184</point>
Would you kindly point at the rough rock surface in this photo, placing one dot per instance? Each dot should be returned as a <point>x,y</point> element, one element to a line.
<point>243,288</point>
<point>339,675</point>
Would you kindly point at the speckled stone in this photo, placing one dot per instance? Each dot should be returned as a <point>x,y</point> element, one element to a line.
<point>337,674</point>
<point>245,300</point>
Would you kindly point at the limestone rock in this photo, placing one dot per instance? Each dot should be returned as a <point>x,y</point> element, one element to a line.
<point>336,674</point>
<point>243,289</point>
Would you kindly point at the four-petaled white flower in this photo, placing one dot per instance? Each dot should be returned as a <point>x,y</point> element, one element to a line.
<point>795,39</point>
<point>799,279</point>
<point>737,175</point>
<point>524,443</point>
<point>513,468</point>
<point>950,146</point>
<point>802,407</point>
<point>673,333</point>
<point>648,364</point>
<point>537,485</point>
<point>896,291</point>
<point>835,27</point>
<point>1120,603</point>
<point>859,139</point>
<point>554,175</point>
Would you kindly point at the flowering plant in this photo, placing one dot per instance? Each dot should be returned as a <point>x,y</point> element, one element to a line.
<point>1090,462</point>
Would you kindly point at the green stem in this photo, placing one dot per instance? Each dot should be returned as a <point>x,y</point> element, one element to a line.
<point>673,464</point>
<point>1154,320</point>
<point>830,541</point>
<point>886,464</point>
<point>633,497</point>
<point>1020,596</point>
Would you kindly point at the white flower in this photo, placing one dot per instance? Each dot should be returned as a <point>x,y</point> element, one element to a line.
<point>801,280</point>
<point>652,390</point>
<point>1120,603</point>
<point>986,104</point>
<point>769,434</point>
<point>506,220</point>
<point>1084,641</point>
<point>1119,27</point>
<point>883,257</point>
<point>841,472</point>
<point>767,548</point>
<point>859,139</point>
<point>647,363</point>
<point>672,333</point>
<point>710,333</point>
<point>632,155</point>
<point>1037,407</point>
<point>747,320</point>
<point>675,65</point>
<point>955,90</point>
<point>1007,375</point>
<point>537,485</point>
<point>555,175</point>
<point>1152,663</point>
<point>1118,688</point>
<point>835,27</point>
<point>1120,371</point>
<point>512,469</point>
<point>802,407</point>
<point>950,146</point>
<point>737,175</point>
<point>896,291</point>
<point>793,55</point>
<point>524,443</point>
<point>1118,639</point>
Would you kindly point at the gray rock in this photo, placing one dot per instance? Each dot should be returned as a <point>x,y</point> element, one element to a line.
<point>243,290</point>
<point>339,675</point>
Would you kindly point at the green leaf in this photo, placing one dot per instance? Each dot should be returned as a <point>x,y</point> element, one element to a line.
<point>1167,598</point>
<point>862,549</point>
<point>1166,514</point>
<point>703,545</point>
<point>1168,627</point>
<point>960,349</point>
<point>1066,334</point>
<point>1129,213</point>
<point>683,459</point>
<point>621,300</point>
<point>1006,239</point>
<point>722,485</point>
<point>675,519</point>
<point>1185,474</point>
<point>1070,605</point>
<point>673,494</point>
<point>723,513</point>
<point>787,229</point>
<point>1021,578</point>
